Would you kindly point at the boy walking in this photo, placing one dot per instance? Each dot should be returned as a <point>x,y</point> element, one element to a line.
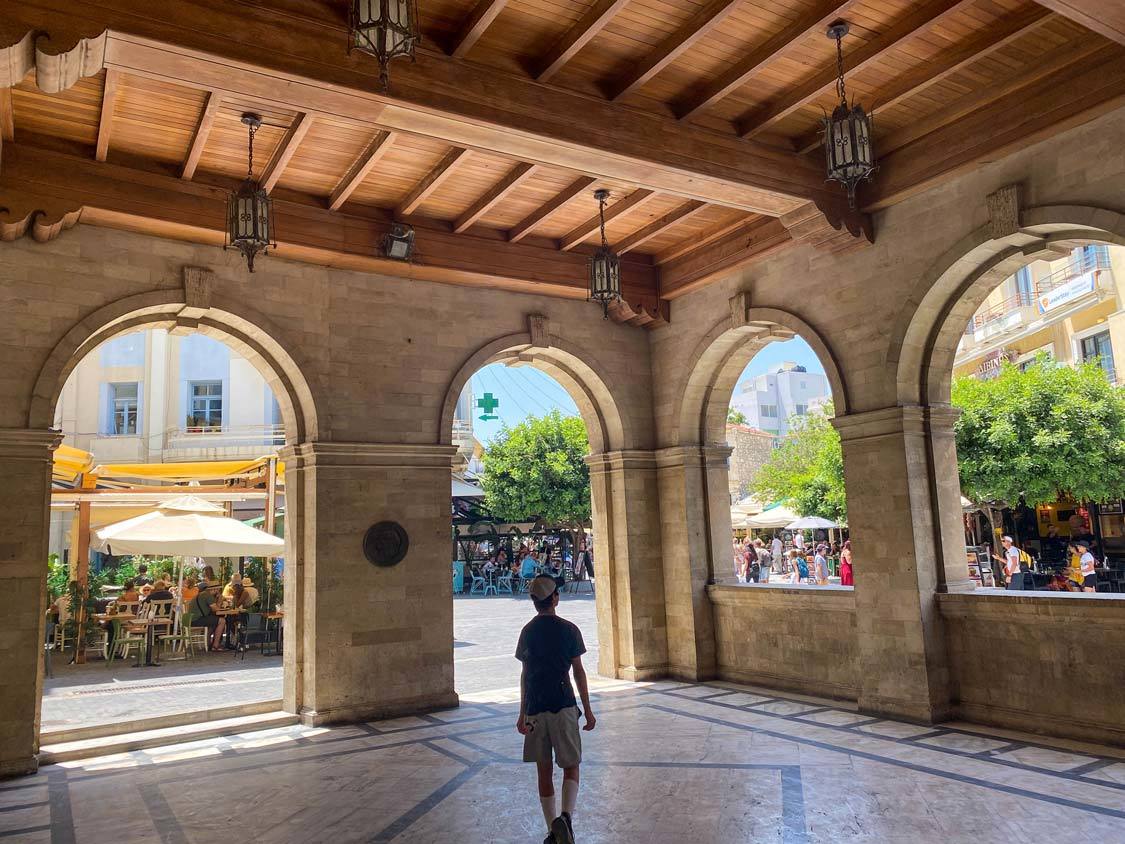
<point>550,648</point>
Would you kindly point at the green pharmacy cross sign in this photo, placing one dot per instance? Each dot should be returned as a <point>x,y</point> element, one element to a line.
<point>488,403</point>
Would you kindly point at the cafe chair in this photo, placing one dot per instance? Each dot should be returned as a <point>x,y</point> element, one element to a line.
<point>504,584</point>
<point>478,585</point>
<point>181,640</point>
<point>252,632</point>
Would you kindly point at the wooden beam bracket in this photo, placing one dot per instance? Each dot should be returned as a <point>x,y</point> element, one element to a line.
<point>830,227</point>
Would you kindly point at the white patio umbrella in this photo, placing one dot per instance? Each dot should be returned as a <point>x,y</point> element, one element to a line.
<point>812,523</point>
<point>775,517</point>
<point>186,526</point>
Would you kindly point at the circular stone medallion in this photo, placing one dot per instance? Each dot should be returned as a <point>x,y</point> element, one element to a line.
<point>385,543</point>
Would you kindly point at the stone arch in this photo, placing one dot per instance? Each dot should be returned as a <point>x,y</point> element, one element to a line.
<point>574,370</point>
<point>719,359</point>
<point>247,332</point>
<point>929,326</point>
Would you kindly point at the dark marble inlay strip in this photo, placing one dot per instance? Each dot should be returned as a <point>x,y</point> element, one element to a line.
<point>16,807</point>
<point>27,830</point>
<point>62,818</point>
<point>163,818</point>
<point>794,829</point>
<point>419,810</point>
<point>437,748</point>
<point>910,766</point>
<point>1096,765</point>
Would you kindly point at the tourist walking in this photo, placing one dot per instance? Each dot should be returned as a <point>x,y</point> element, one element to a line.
<point>777,548</point>
<point>550,648</point>
<point>846,564</point>
<point>820,565</point>
<point>1011,558</point>
<point>1088,565</point>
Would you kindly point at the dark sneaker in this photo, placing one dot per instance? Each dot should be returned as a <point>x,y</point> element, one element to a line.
<point>560,830</point>
<point>570,827</point>
<point>550,839</point>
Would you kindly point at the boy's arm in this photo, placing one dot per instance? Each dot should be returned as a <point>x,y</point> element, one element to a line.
<point>584,692</point>
<point>521,722</point>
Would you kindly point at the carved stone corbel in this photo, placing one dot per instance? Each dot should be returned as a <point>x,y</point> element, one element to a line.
<point>830,227</point>
<point>199,284</point>
<point>539,327</point>
<point>739,305</point>
<point>1004,207</point>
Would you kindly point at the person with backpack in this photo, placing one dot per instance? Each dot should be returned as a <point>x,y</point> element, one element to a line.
<point>1015,559</point>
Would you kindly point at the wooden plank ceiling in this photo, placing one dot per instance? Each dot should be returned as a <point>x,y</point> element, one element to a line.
<point>757,74</point>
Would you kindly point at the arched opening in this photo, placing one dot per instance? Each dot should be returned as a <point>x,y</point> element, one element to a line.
<point>529,380</point>
<point>154,400</point>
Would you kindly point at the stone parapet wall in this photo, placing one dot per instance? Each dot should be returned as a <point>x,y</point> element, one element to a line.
<point>1051,664</point>
<point>802,639</point>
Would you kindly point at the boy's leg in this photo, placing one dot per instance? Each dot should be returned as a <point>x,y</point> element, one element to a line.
<point>569,790</point>
<point>546,773</point>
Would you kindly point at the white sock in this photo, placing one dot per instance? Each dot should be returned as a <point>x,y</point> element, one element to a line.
<point>549,813</point>
<point>569,796</point>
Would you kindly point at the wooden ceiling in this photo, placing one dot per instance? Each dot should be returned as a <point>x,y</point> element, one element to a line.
<point>701,118</point>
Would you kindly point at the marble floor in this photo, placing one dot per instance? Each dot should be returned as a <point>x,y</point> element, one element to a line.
<point>668,763</point>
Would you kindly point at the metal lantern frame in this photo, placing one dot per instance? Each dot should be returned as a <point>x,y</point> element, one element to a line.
<point>848,147</point>
<point>604,266</point>
<point>402,235</point>
<point>250,221</point>
<point>385,29</point>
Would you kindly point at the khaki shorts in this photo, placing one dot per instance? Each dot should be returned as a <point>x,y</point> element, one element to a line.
<point>554,730</point>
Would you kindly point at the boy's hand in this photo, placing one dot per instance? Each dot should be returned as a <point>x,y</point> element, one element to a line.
<point>522,727</point>
<point>591,721</point>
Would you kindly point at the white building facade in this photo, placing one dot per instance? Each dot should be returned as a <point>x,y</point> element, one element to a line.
<point>774,401</point>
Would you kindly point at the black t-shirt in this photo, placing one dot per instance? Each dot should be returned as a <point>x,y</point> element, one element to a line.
<point>546,647</point>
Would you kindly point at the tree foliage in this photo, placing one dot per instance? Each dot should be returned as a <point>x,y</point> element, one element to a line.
<point>735,417</point>
<point>537,469</point>
<point>1052,431</point>
<point>807,469</point>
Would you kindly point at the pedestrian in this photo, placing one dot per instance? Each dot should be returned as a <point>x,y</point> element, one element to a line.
<point>765,560</point>
<point>777,547</point>
<point>1088,565</point>
<point>799,541</point>
<point>846,564</point>
<point>795,564</point>
<point>550,648</point>
<point>585,558</point>
<point>739,562</point>
<point>820,565</point>
<point>1011,558</point>
<point>142,578</point>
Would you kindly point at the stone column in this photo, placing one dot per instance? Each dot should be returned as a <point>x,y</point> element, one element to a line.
<point>900,471</point>
<point>364,641</point>
<point>696,544</point>
<point>632,634</point>
<point>25,466</point>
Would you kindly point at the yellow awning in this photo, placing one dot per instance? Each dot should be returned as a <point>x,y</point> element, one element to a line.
<point>210,470</point>
<point>70,462</point>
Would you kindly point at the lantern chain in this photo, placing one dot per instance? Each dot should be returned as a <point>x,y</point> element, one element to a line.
<point>840,89</point>
<point>250,145</point>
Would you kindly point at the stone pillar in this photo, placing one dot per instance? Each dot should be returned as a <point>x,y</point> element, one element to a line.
<point>632,633</point>
<point>25,466</point>
<point>696,547</point>
<point>900,471</point>
<point>364,641</point>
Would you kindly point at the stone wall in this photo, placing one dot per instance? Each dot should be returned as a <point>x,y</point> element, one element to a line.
<point>798,638</point>
<point>1044,664</point>
<point>752,449</point>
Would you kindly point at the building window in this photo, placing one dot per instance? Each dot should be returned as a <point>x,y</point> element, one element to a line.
<point>801,409</point>
<point>206,405</point>
<point>124,407</point>
<point>769,411</point>
<point>1097,346</point>
<point>1024,293</point>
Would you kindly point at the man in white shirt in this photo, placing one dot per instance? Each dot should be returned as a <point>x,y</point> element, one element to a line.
<point>776,547</point>
<point>1089,566</point>
<point>1011,558</point>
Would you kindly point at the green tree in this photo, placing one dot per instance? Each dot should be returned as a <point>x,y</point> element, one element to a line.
<point>807,469</point>
<point>1052,431</point>
<point>537,469</point>
<point>735,417</point>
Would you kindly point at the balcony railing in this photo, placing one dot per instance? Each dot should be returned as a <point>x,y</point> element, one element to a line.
<point>225,436</point>
<point>463,436</point>
<point>984,321</point>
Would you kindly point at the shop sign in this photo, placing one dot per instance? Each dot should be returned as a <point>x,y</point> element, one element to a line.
<point>1068,292</point>
<point>990,366</point>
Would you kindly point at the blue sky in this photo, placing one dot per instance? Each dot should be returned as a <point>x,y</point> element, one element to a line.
<point>525,391</point>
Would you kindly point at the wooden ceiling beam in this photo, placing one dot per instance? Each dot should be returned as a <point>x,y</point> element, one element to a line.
<point>105,119</point>
<point>286,150</point>
<point>543,213</point>
<point>1029,113</point>
<point>659,226</point>
<point>359,171</point>
<point>202,133</point>
<point>577,37</point>
<point>780,45</point>
<point>590,226</point>
<point>750,241</point>
<point>1104,17</point>
<point>690,244</point>
<point>700,24</point>
<point>484,13</point>
<point>153,203</point>
<point>208,45</point>
<point>761,119</point>
<point>515,177</point>
<point>432,180</point>
<point>947,63</point>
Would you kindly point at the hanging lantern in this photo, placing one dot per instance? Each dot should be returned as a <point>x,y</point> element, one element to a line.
<point>386,29</point>
<point>847,132</point>
<point>249,208</point>
<point>605,266</point>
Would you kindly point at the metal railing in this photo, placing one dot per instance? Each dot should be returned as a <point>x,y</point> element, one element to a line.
<point>1083,262</point>
<point>223,436</point>
<point>462,432</point>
